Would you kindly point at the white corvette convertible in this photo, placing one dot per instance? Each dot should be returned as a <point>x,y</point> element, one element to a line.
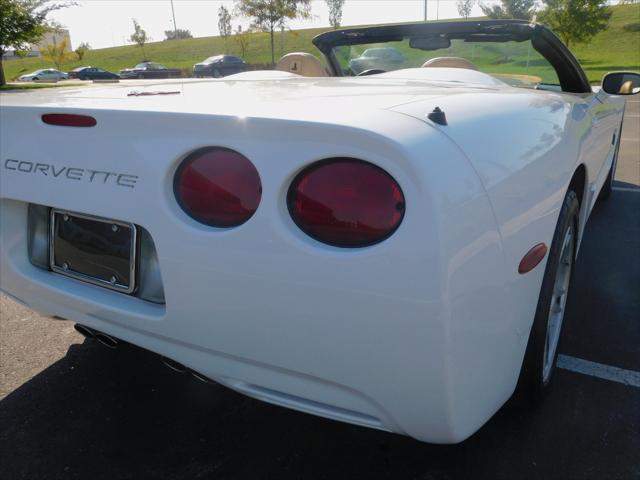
<point>392,249</point>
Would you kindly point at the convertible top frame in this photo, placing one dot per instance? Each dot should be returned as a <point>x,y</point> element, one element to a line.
<point>544,41</point>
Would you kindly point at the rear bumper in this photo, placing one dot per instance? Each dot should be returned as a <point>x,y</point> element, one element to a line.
<point>366,356</point>
<point>413,335</point>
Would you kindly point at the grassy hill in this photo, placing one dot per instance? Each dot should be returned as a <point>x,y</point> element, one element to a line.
<point>617,48</point>
<point>176,53</point>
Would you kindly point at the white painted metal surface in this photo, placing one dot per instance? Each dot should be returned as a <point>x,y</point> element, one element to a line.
<point>422,334</point>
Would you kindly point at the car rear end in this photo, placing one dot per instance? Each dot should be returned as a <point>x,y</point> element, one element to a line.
<point>202,69</point>
<point>233,68</point>
<point>397,331</point>
<point>127,73</point>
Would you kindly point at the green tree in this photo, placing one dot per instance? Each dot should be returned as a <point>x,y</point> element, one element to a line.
<point>83,48</point>
<point>335,12</point>
<point>575,21</point>
<point>177,34</point>
<point>224,24</point>
<point>23,22</point>
<point>520,9</point>
<point>58,53</point>
<point>464,7</point>
<point>139,37</point>
<point>267,15</point>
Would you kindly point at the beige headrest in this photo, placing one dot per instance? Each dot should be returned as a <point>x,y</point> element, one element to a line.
<point>449,62</point>
<point>301,63</point>
<point>626,88</point>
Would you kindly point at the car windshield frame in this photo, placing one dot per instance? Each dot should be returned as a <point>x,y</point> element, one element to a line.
<point>569,72</point>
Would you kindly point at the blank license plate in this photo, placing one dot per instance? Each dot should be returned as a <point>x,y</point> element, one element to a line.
<point>96,250</point>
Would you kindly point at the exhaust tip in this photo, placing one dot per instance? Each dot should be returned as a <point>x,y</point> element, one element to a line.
<point>106,340</point>
<point>173,365</point>
<point>86,332</point>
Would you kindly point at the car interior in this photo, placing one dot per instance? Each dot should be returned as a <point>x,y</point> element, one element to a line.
<point>301,63</point>
<point>449,62</point>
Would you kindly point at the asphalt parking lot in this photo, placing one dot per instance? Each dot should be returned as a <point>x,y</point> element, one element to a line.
<point>71,408</point>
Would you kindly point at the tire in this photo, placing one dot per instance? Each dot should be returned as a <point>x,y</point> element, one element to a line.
<point>605,191</point>
<point>542,349</point>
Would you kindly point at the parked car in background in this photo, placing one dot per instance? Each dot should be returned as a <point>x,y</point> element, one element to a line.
<point>219,66</point>
<point>150,70</point>
<point>45,74</point>
<point>92,73</point>
<point>386,58</point>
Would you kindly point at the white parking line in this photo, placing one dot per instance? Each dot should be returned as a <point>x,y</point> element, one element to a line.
<point>593,369</point>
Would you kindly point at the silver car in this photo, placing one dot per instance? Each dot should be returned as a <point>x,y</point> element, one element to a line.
<point>386,58</point>
<point>50,74</point>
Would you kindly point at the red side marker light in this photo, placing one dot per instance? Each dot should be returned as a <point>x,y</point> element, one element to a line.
<point>69,120</point>
<point>532,258</point>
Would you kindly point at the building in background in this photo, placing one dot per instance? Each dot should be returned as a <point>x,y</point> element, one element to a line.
<point>49,38</point>
<point>53,38</point>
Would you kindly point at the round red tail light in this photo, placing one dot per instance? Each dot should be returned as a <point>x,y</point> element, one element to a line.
<point>218,187</point>
<point>346,202</point>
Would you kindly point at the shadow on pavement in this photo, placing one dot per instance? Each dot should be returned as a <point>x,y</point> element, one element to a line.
<point>602,324</point>
<point>121,414</point>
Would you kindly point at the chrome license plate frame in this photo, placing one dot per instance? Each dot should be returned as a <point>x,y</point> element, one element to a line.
<point>105,230</point>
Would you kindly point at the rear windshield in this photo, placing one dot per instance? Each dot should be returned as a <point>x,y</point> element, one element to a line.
<point>516,63</point>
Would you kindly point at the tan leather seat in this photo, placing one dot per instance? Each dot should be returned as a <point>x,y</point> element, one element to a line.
<point>449,62</point>
<point>626,88</point>
<point>301,63</point>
